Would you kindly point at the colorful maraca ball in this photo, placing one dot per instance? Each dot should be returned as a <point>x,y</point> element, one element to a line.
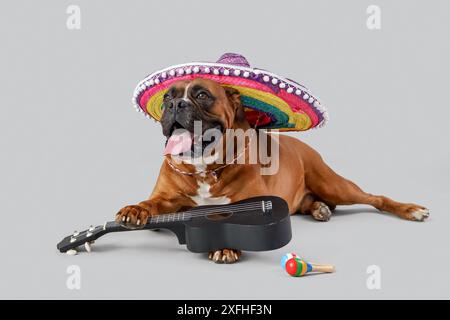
<point>297,267</point>
<point>286,257</point>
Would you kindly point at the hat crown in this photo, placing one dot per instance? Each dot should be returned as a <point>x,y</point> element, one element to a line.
<point>233,59</point>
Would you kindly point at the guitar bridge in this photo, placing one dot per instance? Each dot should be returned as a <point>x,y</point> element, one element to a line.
<point>266,206</point>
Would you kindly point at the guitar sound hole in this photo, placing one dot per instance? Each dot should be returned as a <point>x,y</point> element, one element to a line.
<point>219,216</point>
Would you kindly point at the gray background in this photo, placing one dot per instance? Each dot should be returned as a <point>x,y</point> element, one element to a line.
<point>73,151</point>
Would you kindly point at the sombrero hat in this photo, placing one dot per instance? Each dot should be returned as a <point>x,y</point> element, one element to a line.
<point>277,102</point>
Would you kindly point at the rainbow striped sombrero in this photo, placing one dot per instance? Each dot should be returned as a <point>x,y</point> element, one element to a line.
<point>278,103</point>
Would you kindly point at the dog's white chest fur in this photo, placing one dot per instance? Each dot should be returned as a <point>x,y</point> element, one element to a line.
<point>204,197</point>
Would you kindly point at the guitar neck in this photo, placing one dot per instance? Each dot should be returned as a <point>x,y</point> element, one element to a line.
<point>154,222</point>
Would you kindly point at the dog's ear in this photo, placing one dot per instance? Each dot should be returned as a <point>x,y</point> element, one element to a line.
<point>235,99</point>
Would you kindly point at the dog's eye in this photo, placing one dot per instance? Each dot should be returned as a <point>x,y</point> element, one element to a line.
<point>166,97</point>
<point>201,95</point>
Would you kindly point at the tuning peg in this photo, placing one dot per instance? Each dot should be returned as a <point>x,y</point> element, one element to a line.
<point>89,231</point>
<point>88,246</point>
<point>71,252</point>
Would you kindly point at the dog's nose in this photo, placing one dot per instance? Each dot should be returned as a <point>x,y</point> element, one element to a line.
<point>177,105</point>
<point>181,104</point>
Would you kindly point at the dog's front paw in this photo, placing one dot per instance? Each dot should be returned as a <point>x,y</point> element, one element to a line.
<point>225,255</point>
<point>132,217</point>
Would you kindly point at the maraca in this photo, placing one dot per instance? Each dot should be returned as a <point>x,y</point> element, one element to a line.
<point>289,256</point>
<point>297,267</point>
<point>286,257</point>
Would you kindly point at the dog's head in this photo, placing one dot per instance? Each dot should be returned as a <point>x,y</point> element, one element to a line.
<point>194,107</point>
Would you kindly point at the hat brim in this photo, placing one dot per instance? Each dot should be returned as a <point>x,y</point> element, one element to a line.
<point>286,105</point>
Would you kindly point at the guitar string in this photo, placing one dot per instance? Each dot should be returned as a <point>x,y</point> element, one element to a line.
<point>203,212</point>
<point>197,213</point>
<point>157,219</point>
<point>231,206</point>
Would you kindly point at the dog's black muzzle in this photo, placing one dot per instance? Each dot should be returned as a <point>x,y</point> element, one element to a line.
<point>178,114</point>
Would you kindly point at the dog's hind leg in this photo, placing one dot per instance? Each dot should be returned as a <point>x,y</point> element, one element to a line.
<point>333,189</point>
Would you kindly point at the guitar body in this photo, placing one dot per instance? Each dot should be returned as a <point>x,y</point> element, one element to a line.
<point>253,231</point>
<point>255,224</point>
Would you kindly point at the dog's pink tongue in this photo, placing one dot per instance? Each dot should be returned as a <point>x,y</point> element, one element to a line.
<point>180,141</point>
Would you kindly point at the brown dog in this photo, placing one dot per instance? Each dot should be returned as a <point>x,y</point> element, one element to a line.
<point>303,179</point>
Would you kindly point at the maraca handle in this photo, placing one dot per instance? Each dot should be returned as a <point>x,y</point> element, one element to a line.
<point>322,268</point>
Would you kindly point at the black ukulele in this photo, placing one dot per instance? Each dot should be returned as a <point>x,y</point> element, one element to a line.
<point>255,224</point>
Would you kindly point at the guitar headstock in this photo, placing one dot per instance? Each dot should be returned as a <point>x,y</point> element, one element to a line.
<point>80,238</point>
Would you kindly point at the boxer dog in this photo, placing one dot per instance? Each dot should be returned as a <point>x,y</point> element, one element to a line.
<point>303,179</point>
